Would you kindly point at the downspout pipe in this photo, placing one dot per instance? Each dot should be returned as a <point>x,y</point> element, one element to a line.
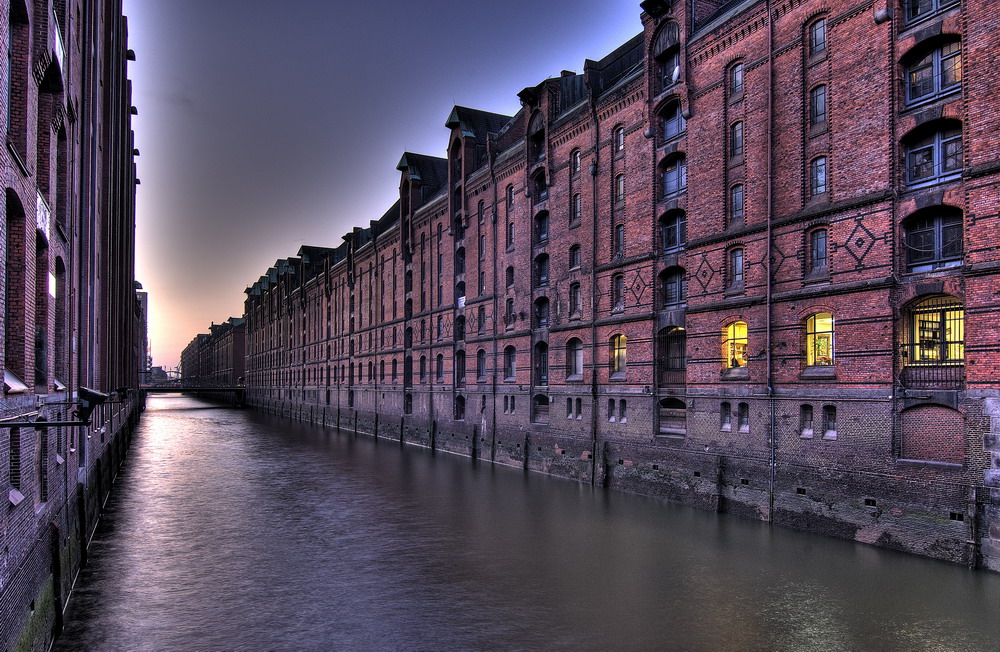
<point>594,169</point>
<point>769,208</point>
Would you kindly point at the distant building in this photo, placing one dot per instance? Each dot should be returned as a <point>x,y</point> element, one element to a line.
<point>217,358</point>
<point>747,261</point>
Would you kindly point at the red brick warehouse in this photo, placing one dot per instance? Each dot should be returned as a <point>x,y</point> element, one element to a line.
<point>746,262</point>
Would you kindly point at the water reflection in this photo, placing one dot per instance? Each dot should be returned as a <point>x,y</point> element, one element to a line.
<point>233,530</point>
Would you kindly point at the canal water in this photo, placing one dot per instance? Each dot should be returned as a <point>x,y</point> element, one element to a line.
<point>231,530</point>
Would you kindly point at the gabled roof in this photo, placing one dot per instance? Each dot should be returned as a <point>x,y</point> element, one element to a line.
<point>626,59</point>
<point>475,123</point>
<point>432,171</point>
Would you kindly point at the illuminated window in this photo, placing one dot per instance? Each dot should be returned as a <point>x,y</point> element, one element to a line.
<point>734,345</point>
<point>819,339</point>
<point>618,355</point>
<point>936,333</point>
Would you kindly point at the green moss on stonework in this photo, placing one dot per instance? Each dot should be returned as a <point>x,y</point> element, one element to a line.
<point>37,632</point>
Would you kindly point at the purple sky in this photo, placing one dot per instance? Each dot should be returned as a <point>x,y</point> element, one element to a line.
<point>266,125</point>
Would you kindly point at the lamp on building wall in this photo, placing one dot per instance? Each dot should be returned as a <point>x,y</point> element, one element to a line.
<point>89,400</point>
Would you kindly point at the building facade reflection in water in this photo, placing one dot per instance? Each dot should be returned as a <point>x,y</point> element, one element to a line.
<point>233,530</point>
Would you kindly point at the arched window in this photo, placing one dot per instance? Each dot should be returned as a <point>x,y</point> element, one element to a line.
<point>933,72</point>
<point>575,300</point>
<point>576,211</point>
<point>423,369</point>
<point>735,268</point>
<point>673,286</point>
<point>671,354</point>
<point>934,153</point>
<point>817,106</point>
<point>542,312</point>
<point>817,37</point>
<point>540,409</point>
<point>459,408</point>
<point>460,367</point>
<point>542,227</point>
<point>674,173</point>
<point>935,333</point>
<point>817,176</point>
<point>381,371</point>
<point>818,257</point>
<point>673,227</point>
<point>459,328</point>
<point>509,276</point>
<point>736,140</point>
<point>509,363</point>
<point>481,211</point>
<point>819,339</point>
<point>617,292</point>
<point>575,162</point>
<point>734,345</point>
<point>541,275</point>
<point>539,187</point>
<point>672,121</point>
<point>536,138</point>
<point>737,203</point>
<point>736,80</point>
<point>510,197</point>
<point>619,241</point>
<point>666,56</point>
<point>934,239</point>
<point>395,369</point>
<point>618,140</point>
<point>460,293</point>
<point>541,376</point>
<point>672,417</point>
<point>574,257</point>
<point>460,260</point>
<point>620,189</point>
<point>574,359</point>
<point>439,371</point>
<point>619,355</point>
<point>481,364</point>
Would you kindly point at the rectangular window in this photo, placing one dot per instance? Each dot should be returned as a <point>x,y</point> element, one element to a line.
<point>817,37</point>
<point>817,176</point>
<point>817,246</point>
<point>736,267</point>
<point>817,106</point>
<point>736,140</point>
<point>737,203</point>
<point>736,80</point>
<point>576,212</point>
<point>743,417</point>
<point>725,416</point>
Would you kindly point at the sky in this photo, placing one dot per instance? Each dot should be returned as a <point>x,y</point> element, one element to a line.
<point>264,125</point>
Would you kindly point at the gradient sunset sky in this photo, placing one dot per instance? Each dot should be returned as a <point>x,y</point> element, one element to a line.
<point>264,125</point>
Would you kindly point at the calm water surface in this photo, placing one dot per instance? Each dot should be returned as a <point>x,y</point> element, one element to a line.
<point>230,530</point>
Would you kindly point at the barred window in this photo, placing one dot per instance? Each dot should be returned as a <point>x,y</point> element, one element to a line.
<point>936,332</point>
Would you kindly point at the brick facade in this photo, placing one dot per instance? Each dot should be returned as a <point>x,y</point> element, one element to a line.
<point>70,315</point>
<point>746,262</point>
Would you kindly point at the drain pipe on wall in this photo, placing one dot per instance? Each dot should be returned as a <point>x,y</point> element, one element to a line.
<point>594,169</point>
<point>770,271</point>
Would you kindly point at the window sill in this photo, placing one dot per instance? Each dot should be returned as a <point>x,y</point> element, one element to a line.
<point>574,378</point>
<point>671,434</point>
<point>806,434</point>
<point>819,372</point>
<point>931,99</point>
<point>736,98</point>
<point>736,373</point>
<point>618,375</point>
<point>816,58</point>
<point>818,129</point>
<point>734,290</point>
<point>821,276</point>
<point>925,183</point>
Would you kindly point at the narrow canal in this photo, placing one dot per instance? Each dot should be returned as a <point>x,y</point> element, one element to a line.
<point>232,530</point>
